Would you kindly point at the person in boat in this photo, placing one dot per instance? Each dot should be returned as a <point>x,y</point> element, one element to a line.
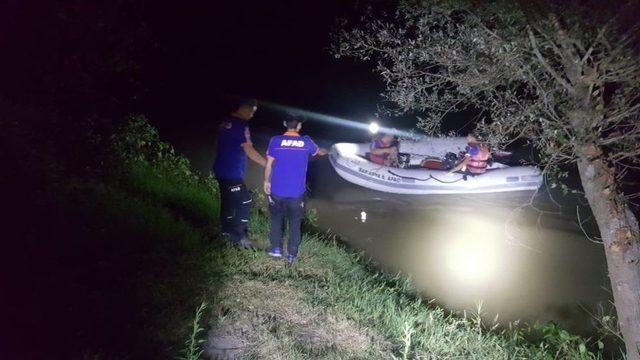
<point>284,183</point>
<point>475,158</point>
<point>384,150</point>
<point>233,147</point>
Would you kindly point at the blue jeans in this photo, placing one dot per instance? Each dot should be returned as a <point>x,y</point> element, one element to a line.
<point>290,210</point>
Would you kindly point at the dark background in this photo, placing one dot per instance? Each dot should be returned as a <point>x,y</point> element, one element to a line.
<point>177,62</point>
<point>276,51</point>
<point>273,50</point>
<point>74,66</point>
<point>72,71</point>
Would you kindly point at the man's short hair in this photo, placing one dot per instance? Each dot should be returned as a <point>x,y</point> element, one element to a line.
<point>293,119</point>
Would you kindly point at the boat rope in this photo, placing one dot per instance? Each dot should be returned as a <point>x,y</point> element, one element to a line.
<point>420,155</point>
<point>463,177</point>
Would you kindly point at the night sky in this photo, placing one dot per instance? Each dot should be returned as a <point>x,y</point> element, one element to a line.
<point>182,58</point>
<point>276,51</point>
<point>273,50</point>
<point>179,62</point>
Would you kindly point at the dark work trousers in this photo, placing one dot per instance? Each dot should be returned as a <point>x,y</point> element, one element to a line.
<point>290,210</point>
<point>235,203</point>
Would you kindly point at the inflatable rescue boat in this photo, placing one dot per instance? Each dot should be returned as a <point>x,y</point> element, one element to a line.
<point>351,162</point>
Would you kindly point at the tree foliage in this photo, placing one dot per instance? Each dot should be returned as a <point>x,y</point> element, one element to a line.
<point>523,66</point>
<point>565,77</point>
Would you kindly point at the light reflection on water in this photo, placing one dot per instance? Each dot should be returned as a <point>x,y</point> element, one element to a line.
<point>462,250</point>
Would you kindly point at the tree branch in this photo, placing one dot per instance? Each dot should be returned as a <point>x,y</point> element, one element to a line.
<point>546,65</point>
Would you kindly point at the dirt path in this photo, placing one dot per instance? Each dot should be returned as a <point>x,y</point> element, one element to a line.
<point>269,319</point>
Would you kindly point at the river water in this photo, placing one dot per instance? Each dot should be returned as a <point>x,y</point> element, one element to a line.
<point>518,262</point>
<point>462,251</point>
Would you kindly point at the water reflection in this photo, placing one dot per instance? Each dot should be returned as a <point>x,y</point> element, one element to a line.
<point>466,249</point>
<point>462,250</point>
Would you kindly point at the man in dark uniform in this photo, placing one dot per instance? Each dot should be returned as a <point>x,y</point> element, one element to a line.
<point>234,146</point>
<point>285,183</point>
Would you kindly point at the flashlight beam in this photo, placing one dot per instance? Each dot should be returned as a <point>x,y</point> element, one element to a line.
<point>337,120</point>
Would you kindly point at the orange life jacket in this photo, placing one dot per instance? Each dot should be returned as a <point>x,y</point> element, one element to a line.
<point>477,164</point>
<point>378,144</point>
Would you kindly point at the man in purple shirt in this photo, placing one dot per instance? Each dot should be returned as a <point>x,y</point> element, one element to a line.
<point>285,183</point>
<point>233,148</point>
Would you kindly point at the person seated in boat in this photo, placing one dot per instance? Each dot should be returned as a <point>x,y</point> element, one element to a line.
<point>384,150</point>
<point>475,158</point>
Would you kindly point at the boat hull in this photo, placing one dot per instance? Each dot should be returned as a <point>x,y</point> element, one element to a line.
<point>348,162</point>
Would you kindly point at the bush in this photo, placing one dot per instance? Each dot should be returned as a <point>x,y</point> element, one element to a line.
<point>147,165</point>
<point>137,142</point>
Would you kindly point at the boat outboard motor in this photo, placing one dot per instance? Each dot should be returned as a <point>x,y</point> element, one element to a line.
<point>450,161</point>
<point>403,160</point>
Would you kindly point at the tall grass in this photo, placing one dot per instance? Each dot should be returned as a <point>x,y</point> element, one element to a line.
<point>135,244</point>
<point>193,346</point>
<point>338,280</point>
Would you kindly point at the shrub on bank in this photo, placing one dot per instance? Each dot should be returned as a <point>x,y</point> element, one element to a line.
<point>125,251</point>
<point>148,166</point>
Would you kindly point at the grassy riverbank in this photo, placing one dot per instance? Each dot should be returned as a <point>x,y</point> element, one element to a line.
<point>133,253</point>
<point>334,303</point>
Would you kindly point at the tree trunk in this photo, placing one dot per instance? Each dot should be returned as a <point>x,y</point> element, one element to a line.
<point>619,232</point>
